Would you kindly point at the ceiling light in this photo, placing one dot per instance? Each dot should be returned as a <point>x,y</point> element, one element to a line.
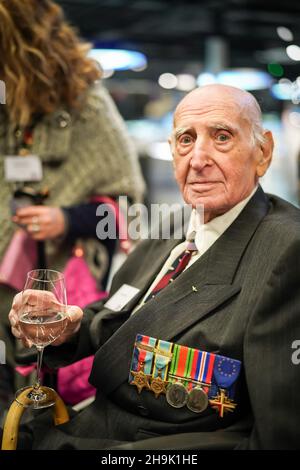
<point>185,82</point>
<point>287,90</point>
<point>167,80</point>
<point>276,70</point>
<point>206,78</point>
<point>140,69</point>
<point>244,78</point>
<point>118,59</point>
<point>285,33</point>
<point>282,91</point>
<point>293,52</point>
<point>285,81</point>
<point>247,79</point>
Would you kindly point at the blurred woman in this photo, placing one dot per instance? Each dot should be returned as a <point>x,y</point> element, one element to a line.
<point>56,109</point>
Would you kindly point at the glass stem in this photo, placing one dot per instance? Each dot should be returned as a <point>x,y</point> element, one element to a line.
<point>40,350</point>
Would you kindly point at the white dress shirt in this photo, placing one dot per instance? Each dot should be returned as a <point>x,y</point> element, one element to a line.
<point>205,235</point>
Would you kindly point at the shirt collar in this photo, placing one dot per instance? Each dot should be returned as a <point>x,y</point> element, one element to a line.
<point>215,227</point>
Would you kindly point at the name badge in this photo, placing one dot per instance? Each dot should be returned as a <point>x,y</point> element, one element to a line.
<point>23,169</point>
<point>121,297</point>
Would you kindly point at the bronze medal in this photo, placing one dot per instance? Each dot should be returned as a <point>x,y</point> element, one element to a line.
<point>177,395</point>
<point>140,380</point>
<point>197,400</point>
<point>158,386</point>
<point>222,404</point>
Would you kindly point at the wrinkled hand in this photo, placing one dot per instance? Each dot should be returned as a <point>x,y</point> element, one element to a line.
<point>32,299</point>
<point>41,222</point>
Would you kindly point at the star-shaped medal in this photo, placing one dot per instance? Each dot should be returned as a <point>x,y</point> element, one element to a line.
<point>141,380</point>
<point>222,403</point>
<point>158,386</point>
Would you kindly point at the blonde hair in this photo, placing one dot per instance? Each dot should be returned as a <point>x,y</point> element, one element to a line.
<point>42,61</point>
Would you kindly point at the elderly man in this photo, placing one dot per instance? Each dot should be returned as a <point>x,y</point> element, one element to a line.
<point>236,300</point>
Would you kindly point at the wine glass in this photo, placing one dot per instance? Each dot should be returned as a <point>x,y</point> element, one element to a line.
<point>42,318</point>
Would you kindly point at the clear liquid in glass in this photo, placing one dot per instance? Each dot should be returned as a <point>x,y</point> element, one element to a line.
<point>42,329</point>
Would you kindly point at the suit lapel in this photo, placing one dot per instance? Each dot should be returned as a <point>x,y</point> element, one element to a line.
<point>147,268</point>
<point>197,292</point>
<point>154,260</point>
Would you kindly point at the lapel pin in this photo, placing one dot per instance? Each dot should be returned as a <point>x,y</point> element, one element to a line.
<point>194,289</point>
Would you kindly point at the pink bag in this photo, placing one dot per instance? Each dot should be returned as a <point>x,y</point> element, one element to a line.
<point>81,286</point>
<point>82,289</point>
<point>19,258</point>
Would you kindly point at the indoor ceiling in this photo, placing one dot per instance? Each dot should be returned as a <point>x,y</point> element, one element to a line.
<point>175,34</point>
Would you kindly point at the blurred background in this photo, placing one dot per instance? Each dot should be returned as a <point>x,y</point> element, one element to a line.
<point>154,51</point>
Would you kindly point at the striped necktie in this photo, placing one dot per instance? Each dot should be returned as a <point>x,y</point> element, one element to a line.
<point>178,265</point>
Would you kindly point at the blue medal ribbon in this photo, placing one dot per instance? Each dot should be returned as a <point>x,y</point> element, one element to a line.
<point>162,361</point>
<point>148,355</point>
<point>225,374</point>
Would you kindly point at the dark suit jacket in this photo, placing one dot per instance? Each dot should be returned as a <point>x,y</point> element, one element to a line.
<point>247,306</point>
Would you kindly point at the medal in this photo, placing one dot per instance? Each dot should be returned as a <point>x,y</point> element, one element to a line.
<point>141,365</point>
<point>197,400</point>
<point>163,355</point>
<point>158,386</point>
<point>177,395</point>
<point>222,403</point>
<point>201,368</point>
<point>200,373</point>
<point>186,376</point>
<point>140,380</point>
<point>226,372</point>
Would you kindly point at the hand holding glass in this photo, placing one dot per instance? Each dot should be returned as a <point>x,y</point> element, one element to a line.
<point>42,318</point>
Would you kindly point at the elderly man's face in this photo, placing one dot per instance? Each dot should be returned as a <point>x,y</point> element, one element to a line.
<point>217,162</point>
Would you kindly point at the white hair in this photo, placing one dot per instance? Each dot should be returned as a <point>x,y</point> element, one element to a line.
<point>253,111</point>
<point>258,133</point>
